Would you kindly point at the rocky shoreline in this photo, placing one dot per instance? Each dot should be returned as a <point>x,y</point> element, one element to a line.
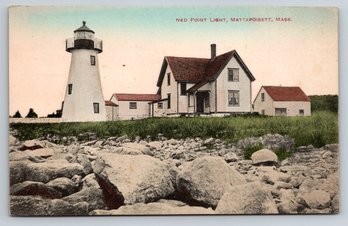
<point>120,176</point>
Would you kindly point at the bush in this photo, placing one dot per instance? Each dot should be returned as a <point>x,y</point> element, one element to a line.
<point>283,154</point>
<point>17,115</point>
<point>31,114</point>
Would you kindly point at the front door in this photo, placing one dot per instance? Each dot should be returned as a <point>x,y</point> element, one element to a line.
<point>201,97</point>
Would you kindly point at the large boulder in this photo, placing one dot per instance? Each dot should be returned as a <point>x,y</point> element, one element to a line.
<point>31,145</point>
<point>264,156</point>
<point>43,172</point>
<point>205,180</point>
<point>28,154</point>
<point>317,199</point>
<point>64,185</point>
<point>34,188</point>
<point>250,198</point>
<point>162,207</point>
<point>131,179</point>
<point>135,148</point>
<point>37,206</point>
<point>92,195</point>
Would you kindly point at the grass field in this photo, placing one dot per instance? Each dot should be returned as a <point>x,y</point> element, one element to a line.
<point>319,129</point>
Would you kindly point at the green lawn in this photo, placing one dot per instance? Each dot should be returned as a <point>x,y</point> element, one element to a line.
<point>319,129</point>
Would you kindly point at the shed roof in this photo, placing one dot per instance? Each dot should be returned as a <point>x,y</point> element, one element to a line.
<point>110,103</point>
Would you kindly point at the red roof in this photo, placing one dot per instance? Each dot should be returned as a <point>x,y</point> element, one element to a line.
<point>136,97</point>
<point>199,70</point>
<point>283,93</point>
<point>110,103</point>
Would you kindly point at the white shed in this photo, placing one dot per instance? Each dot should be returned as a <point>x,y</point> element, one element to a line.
<point>282,101</point>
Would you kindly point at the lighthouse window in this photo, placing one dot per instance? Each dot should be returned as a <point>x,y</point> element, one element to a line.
<point>96,107</point>
<point>92,60</point>
<point>69,89</point>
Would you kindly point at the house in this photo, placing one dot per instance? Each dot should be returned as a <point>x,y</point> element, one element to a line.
<point>281,100</point>
<point>133,106</point>
<point>216,85</point>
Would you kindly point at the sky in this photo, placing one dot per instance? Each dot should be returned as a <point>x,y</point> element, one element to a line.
<point>300,52</point>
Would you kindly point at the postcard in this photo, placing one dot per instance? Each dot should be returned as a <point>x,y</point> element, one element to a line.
<point>173,110</point>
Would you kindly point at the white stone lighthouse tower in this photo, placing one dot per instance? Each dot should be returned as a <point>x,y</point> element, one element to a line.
<point>84,99</point>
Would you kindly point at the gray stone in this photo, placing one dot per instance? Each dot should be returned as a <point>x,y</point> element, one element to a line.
<point>131,179</point>
<point>43,172</point>
<point>250,198</point>
<point>31,145</point>
<point>162,207</point>
<point>317,199</point>
<point>264,156</point>
<point>12,140</point>
<point>34,188</point>
<point>85,163</point>
<point>231,157</point>
<point>92,195</point>
<point>22,155</point>
<point>90,181</point>
<point>64,185</point>
<point>205,180</point>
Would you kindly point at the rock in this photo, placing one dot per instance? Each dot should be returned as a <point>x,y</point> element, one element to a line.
<point>22,155</point>
<point>335,204</point>
<point>231,157</point>
<point>90,181</point>
<point>317,199</point>
<point>12,140</point>
<point>34,188</point>
<point>288,204</point>
<point>36,206</point>
<point>131,179</point>
<point>85,163</point>
<point>73,149</point>
<point>208,141</point>
<point>250,198</point>
<point>64,185</point>
<point>264,156</point>
<point>43,172</point>
<point>162,207</point>
<point>270,176</point>
<point>31,145</point>
<point>142,149</point>
<point>92,195</point>
<point>76,179</point>
<point>205,180</point>
<point>156,145</point>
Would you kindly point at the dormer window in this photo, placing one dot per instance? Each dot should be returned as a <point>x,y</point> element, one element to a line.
<point>233,74</point>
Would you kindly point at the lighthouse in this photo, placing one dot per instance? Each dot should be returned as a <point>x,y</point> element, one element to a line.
<point>84,99</point>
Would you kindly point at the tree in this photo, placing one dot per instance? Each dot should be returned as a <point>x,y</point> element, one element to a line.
<point>17,115</point>
<point>31,114</point>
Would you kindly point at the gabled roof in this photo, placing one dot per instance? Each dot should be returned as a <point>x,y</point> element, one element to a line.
<point>110,103</point>
<point>199,70</point>
<point>286,93</point>
<point>136,97</point>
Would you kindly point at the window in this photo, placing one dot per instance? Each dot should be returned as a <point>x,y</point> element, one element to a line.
<point>69,89</point>
<point>183,89</point>
<point>96,108</point>
<point>262,97</point>
<point>160,105</point>
<point>262,112</point>
<point>132,105</point>
<point>280,111</point>
<point>93,60</point>
<point>233,74</point>
<point>168,79</point>
<point>233,98</point>
<point>168,97</point>
<point>301,112</point>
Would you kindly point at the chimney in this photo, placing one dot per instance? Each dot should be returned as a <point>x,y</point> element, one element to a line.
<point>213,50</point>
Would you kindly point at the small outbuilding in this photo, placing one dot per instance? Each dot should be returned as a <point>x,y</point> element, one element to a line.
<point>282,101</point>
<point>133,106</point>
